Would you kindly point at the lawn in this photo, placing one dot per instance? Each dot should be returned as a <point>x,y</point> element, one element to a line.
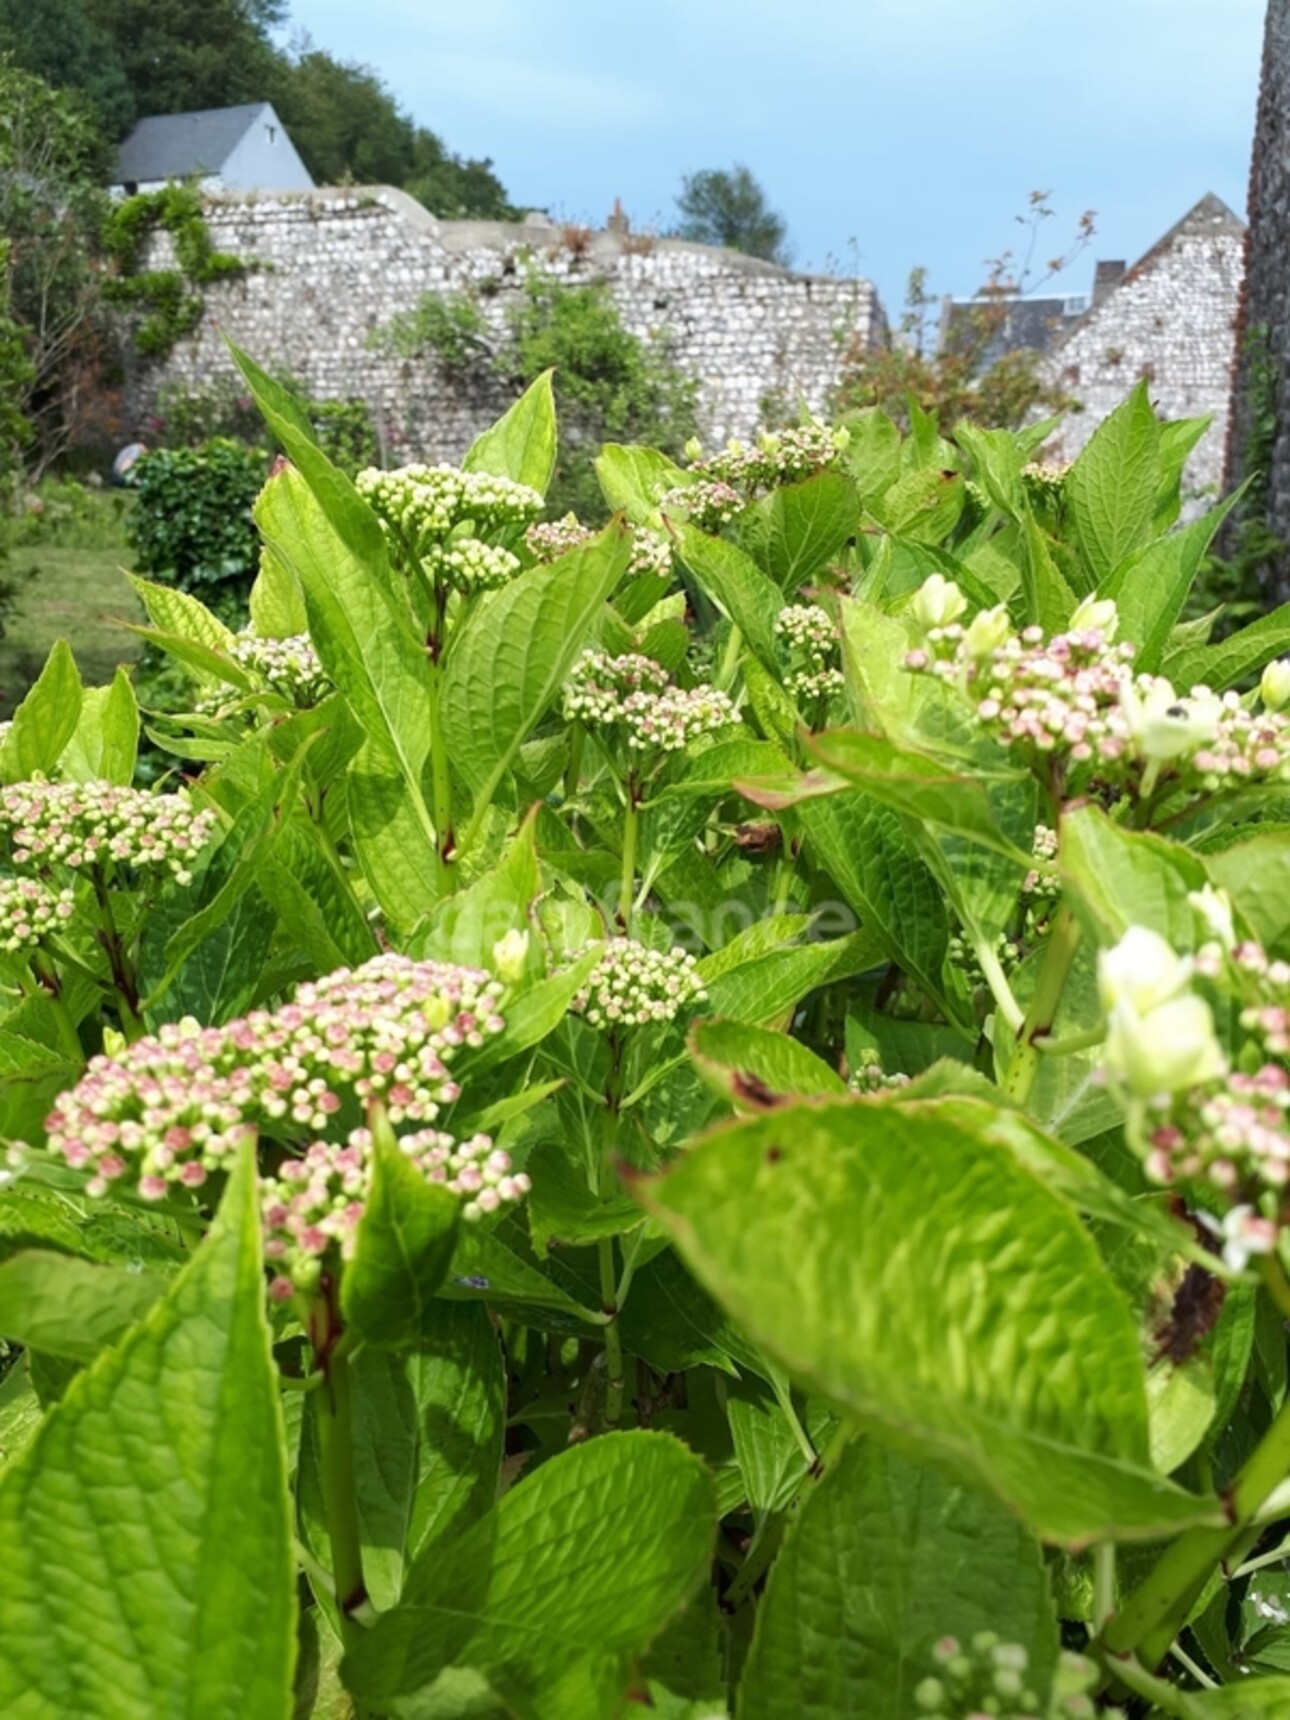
<point>75,593</point>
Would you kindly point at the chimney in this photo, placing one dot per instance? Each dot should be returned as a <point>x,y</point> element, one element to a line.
<point>618,222</point>
<point>1106,277</point>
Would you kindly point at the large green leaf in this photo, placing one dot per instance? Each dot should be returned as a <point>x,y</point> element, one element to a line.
<point>106,740</point>
<point>552,1595</point>
<point>1111,489</point>
<point>755,1068</point>
<point>797,529</point>
<point>1127,878</point>
<point>1251,1699</point>
<point>766,988</point>
<point>733,580</point>
<point>1150,587</point>
<point>885,1557</point>
<point>506,665</point>
<point>1256,875</point>
<point>147,1527</point>
<point>1240,654</point>
<point>45,720</point>
<point>635,479</point>
<point>914,1272</point>
<point>402,1248</point>
<point>70,1308</point>
<point>522,443</point>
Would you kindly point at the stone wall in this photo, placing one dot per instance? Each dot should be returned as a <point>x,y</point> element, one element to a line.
<point>1171,319</point>
<point>336,265</point>
<point>1262,452</point>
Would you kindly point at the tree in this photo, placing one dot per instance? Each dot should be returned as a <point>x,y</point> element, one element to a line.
<point>61,44</point>
<point>182,55</point>
<point>720,208</point>
<point>51,214</point>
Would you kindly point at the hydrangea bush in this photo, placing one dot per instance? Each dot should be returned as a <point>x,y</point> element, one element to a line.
<point>688,1118</point>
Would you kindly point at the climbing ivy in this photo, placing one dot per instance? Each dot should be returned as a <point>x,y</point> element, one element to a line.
<point>170,299</point>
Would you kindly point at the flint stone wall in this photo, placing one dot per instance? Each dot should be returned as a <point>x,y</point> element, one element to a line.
<point>337,264</point>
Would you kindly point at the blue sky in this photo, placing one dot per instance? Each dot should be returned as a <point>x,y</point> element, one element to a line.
<point>887,132</point>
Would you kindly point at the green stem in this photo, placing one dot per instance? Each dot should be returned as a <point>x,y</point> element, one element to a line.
<point>573,769</point>
<point>1037,1025</point>
<point>615,1371</point>
<point>53,991</point>
<point>631,839</point>
<point>1166,1698</point>
<point>1000,990</point>
<point>440,782</point>
<point>340,1504</point>
<point>784,879</point>
<point>1158,1608</point>
<point>1103,1583</point>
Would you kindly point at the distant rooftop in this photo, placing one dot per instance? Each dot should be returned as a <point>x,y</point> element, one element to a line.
<point>246,148</point>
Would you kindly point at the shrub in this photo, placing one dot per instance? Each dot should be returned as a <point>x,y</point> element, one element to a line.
<point>191,522</point>
<point>708,1149</point>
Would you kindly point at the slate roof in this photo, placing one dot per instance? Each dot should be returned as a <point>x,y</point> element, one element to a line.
<point>1029,323</point>
<point>180,145</point>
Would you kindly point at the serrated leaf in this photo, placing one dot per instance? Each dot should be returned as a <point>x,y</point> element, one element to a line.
<point>563,1211</point>
<point>173,611</point>
<point>402,1248</point>
<point>277,603</point>
<point>155,1489</point>
<point>1232,659</point>
<point>522,444</point>
<point>1111,489</point>
<point>739,588</point>
<point>1256,875</point>
<point>756,1069</point>
<point>551,1596</point>
<point>967,1317</point>
<point>797,529</point>
<point>635,479</point>
<point>46,719</point>
<point>106,741</point>
<point>1150,587</point>
<point>1129,878</point>
<point>507,663</point>
<point>767,988</point>
<point>886,1557</point>
<point>70,1308</point>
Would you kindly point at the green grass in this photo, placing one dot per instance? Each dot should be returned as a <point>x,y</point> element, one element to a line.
<point>63,593</point>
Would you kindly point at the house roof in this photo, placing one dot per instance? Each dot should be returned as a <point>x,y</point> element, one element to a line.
<point>1025,324</point>
<point>1210,216</point>
<point>177,145</point>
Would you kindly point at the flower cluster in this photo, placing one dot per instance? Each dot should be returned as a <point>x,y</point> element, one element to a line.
<point>710,503</point>
<point>30,911</point>
<point>469,564</point>
<point>1220,1129</point>
<point>868,1076</point>
<point>549,539</point>
<point>812,637</point>
<point>315,1202</point>
<point>419,506</point>
<point>81,824</point>
<point>987,1677</point>
<point>633,985</point>
<point>172,1107</point>
<point>636,694</point>
<point>1073,697</point>
<point>776,457</point>
<point>290,666</point>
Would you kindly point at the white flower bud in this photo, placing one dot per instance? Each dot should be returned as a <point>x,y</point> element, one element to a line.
<point>1214,910</point>
<point>509,956</point>
<point>937,602</point>
<point>1172,1047</point>
<point>1142,971</point>
<point>1274,687</point>
<point>986,632</point>
<point>1096,614</point>
<point>1163,724</point>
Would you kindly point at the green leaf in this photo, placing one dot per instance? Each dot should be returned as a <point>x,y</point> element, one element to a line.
<point>925,1281</point>
<point>551,1596</point>
<point>997,459</point>
<point>884,1558</point>
<point>1111,489</point>
<point>506,665</point>
<point>635,480</point>
<point>277,603</point>
<point>174,611</point>
<point>486,1269</point>
<point>739,588</point>
<point>70,1308</point>
<point>756,1069</point>
<point>873,453</point>
<point>20,1413</point>
<point>402,1248</point>
<point>349,515</point>
<point>1256,875</point>
<point>1128,878</point>
<point>45,721</point>
<point>522,443</point>
<point>106,741</point>
<point>766,989</point>
<point>1251,1699</point>
<point>923,506</point>
<point>157,1492</point>
<point>563,1211</point>
<point>797,529</point>
<point>1232,659</point>
<point>388,830</point>
<point>1151,586</point>
<point>464,927</point>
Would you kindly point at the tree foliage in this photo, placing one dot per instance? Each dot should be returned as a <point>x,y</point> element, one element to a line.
<point>60,42</point>
<point>720,207</point>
